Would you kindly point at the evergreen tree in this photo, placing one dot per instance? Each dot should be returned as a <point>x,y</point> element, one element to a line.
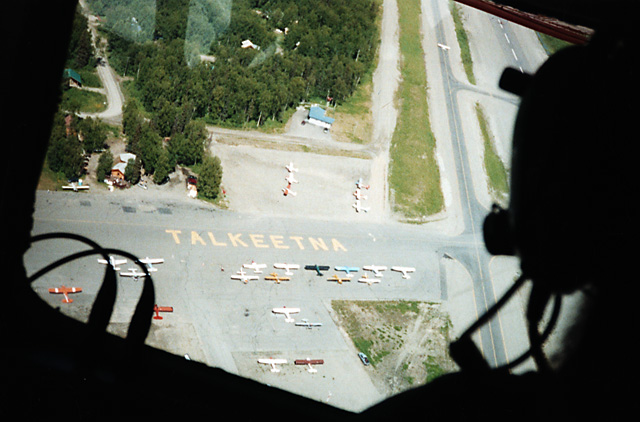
<point>210,178</point>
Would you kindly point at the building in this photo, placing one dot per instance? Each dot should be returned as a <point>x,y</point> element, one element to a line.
<point>317,117</point>
<point>117,171</point>
<point>72,78</point>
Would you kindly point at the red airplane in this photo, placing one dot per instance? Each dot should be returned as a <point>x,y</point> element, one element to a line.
<point>157,309</point>
<point>65,291</point>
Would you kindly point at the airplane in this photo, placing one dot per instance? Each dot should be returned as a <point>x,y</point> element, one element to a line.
<point>273,363</point>
<point>75,187</point>
<point>113,261</point>
<point>309,362</point>
<point>359,184</point>
<point>276,278</point>
<point>65,291</point>
<point>133,272</point>
<point>290,179</point>
<point>287,312</point>
<point>366,279</point>
<point>359,207</point>
<point>348,270</point>
<point>287,267</point>
<point>376,269</point>
<point>305,323</point>
<point>150,261</point>
<point>290,167</point>
<point>317,268</point>
<point>286,191</point>
<point>157,309</point>
<point>340,280</point>
<point>255,267</point>
<point>358,194</point>
<point>240,275</point>
<point>404,271</point>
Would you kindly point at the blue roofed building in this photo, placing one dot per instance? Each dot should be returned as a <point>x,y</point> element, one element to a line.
<point>318,118</point>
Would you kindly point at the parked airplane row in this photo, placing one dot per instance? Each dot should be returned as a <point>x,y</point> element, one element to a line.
<point>132,272</point>
<point>359,196</point>
<point>290,179</point>
<point>375,269</point>
<point>308,362</point>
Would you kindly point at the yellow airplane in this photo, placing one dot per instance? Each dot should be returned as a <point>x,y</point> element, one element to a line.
<point>276,278</point>
<point>340,280</point>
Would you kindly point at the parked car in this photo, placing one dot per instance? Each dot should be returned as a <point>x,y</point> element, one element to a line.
<point>363,358</point>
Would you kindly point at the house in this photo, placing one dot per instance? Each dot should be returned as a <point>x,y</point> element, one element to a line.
<point>317,117</point>
<point>117,171</point>
<point>72,78</point>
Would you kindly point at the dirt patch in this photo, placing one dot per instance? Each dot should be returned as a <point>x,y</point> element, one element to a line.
<point>406,341</point>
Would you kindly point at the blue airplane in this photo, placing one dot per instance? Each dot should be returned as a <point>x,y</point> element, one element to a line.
<point>317,268</point>
<point>348,270</point>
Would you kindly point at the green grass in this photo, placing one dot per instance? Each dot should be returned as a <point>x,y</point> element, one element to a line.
<point>494,167</point>
<point>463,42</point>
<point>414,176</point>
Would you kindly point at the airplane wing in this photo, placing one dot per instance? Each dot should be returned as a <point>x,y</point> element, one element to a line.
<point>65,289</point>
<point>273,363</point>
<point>368,280</point>
<point>287,312</point>
<point>317,268</point>
<point>348,270</point>
<point>148,260</point>
<point>376,269</point>
<point>404,271</point>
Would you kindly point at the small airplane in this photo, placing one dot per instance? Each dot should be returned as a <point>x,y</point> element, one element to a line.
<point>317,268</point>
<point>359,184</point>
<point>348,270</point>
<point>290,167</point>
<point>359,207</point>
<point>276,278</point>
<point>287,312</point>
<point>273,363</point>
<point>443,46</point>
<point>255,267</point>
<point>376,269</point>
<point>290,179</point>
<point>340,280</point>
<point>150,261</point>
<point>133,272</point>
<point>241,275</point>
<point>404,271</point>
<point>305,323</point>
<point>366,279</point>
<point>75,187</point>
<point>286,191</point>
<point>157,309</point>
<point>358,194</point>
<point>309,362</point>
<point>287,267</point>
<point>113,262</point>
<point>65,291</point>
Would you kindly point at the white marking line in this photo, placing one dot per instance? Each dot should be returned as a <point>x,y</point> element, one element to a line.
<point>514,54</point>
<point>508,40</point>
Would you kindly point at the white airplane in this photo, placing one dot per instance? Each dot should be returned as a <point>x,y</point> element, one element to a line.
<point>113,262</point>
<point>305,323</point>
<point>290,179</point>
<point>359,207</point>
<point>359,184</point>
<point>376,269</point>
<point>273,363</point>
<point>75,187</point>
<point>286,191</point>
<point>366,279</point>
<point>255,267</point>
<point>241,275</point>
<point>285,266</point>
<point>133,272</point>
<point>358,194</point>
<point>287,312</point>
<point>290,167</point>
<point>404,271</point>
<point>150,261</point>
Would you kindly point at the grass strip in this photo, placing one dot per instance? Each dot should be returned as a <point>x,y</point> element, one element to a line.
<point>414,176</point>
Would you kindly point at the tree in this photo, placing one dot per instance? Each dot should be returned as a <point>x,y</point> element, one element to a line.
<point>210,178</point>
<point>105,163</point>
<point>163,167</point>
<point>94,134</point>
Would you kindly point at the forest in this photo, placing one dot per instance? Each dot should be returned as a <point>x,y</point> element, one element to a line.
<point>300,51</point>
